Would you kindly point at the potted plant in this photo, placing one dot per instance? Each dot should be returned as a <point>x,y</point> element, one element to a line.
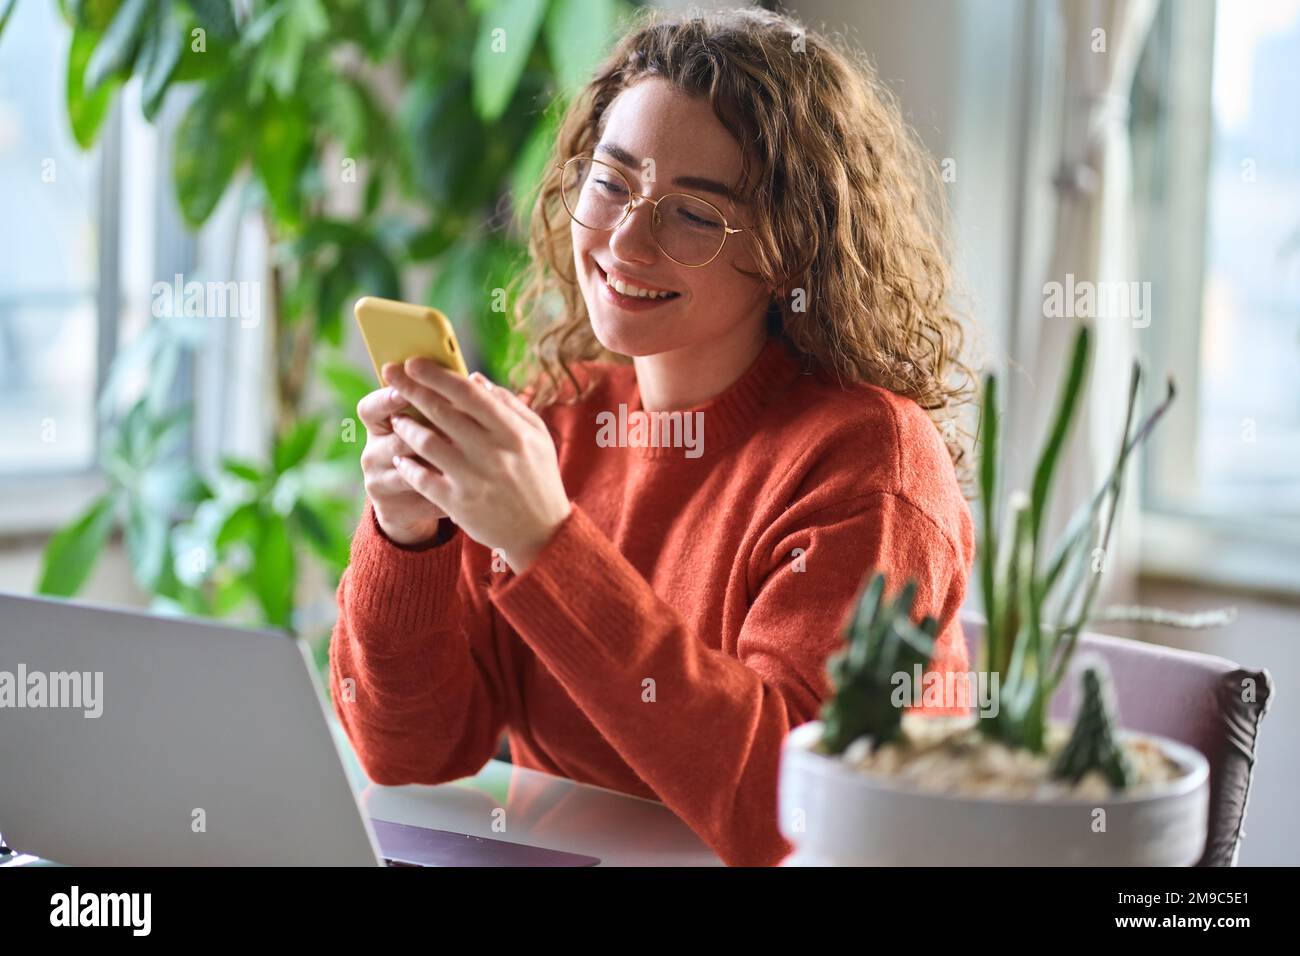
<point>874,782</point>
<point>373,141</point>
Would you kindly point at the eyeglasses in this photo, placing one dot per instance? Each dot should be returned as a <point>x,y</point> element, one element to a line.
<point>690,231</point>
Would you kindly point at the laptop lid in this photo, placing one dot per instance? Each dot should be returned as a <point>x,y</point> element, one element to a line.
<point>422,846</point>
<point>132,739</point>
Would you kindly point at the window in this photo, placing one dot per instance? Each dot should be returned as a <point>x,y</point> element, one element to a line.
<point>1217,188</point>
<point>1248,453</point>
<point>52,319</point>
<point>80,248</point>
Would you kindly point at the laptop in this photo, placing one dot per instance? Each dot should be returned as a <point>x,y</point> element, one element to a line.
<point>130,739</point>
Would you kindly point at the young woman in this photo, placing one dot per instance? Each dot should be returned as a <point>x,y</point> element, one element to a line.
<point>737,300</point>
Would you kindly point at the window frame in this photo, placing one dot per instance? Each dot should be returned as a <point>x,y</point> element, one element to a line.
<point>1180,539</point>
<point>33,504</point>
<point>38,502</point>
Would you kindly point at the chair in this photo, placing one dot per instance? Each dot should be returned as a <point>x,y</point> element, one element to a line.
<point>1197,699</point>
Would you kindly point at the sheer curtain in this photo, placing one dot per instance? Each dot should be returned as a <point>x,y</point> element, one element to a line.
<point>1091,243</point>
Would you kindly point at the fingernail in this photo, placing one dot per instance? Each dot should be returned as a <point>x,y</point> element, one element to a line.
<point>394,394</point>
<point>397,461</point>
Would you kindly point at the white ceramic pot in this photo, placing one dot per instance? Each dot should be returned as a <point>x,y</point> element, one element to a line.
<point>837,816</point>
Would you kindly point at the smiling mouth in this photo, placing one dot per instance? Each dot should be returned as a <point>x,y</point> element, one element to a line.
<point>629,290</point>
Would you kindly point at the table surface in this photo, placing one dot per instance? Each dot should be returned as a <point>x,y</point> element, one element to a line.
<point>517,805</point>
<point>505,802</point>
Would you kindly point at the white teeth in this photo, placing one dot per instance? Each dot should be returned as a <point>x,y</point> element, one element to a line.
<point>630,290</point>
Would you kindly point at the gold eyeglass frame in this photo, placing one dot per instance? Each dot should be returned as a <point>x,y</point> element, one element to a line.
<point>654,203</point>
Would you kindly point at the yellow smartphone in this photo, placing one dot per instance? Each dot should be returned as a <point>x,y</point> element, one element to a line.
<point>396,331</point>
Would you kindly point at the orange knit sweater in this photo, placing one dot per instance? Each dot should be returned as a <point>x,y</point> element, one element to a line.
<point>678,624</point>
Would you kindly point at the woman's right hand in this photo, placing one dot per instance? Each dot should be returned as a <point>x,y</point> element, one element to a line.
<point>405,516</point>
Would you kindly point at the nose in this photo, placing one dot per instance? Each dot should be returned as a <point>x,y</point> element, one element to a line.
<point>632,241</point>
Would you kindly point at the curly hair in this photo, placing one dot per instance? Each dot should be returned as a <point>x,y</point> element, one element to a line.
<point>849,210</point>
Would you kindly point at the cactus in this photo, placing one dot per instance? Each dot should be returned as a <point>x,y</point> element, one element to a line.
<point>881,642</point>
<point>1092,744</point>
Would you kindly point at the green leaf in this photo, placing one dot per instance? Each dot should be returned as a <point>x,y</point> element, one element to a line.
<point>160,55</point>
<point>94,15</point>
<point>242,469</point>
<point>131,360</point>
<point>294,25</point>
<point>435,239</point>
<point>374,194</point>
<point>988,552</point>
<point>348,383</point>
<point>531,168</point>
<point>456,289</point>
<point>331,292</point>
<point>116,49</point>
<point>1067,405</point>
<point>507,34</point>
<point>241,525</point>
<point>1093,743</point>
<point>578,33</point>
<point>121,455</point>
<point>273,573</point>
<point>216,18</point>
<point>428,109</point>
<point>344,111</point>
<point>86,111</point>
<point>162,376</point>
<point>228,595</point>
<point>210,143</point>
<point>294,446</point>
<point>202,57</point>
<point>146,539</point>
<point>1078,539</point>
<point>375,271</point>
<point>5,13</point>
<point>172,486</point>
<point>280,153</point>
<point>142,438</point>
<point>72,551</point>
<point>464,290</point>
<point>321,234</point>
<point>348,259</point>
<point>327,528</point>
<point>1115,483</point>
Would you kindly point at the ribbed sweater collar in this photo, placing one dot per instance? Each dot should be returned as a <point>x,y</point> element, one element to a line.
<point>730,414</point>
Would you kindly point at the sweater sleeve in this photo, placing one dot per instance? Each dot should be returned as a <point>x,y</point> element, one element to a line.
<point>708,740</point>
<point>415,671</point>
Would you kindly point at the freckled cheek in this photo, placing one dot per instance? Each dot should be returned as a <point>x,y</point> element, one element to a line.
<point>726,286</point>
<point>584,244</point>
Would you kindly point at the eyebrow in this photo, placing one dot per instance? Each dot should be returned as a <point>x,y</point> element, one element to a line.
<point>690,182</point>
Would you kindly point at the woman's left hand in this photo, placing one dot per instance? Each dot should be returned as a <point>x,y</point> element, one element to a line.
<point>497,477</point>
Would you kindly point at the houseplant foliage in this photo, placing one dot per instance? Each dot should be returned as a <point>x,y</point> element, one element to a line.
<point>1092,744</point>
<point>430,118</point>
<point>867,786</point>
<point>882,642</point>
<point>1038,597</point>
